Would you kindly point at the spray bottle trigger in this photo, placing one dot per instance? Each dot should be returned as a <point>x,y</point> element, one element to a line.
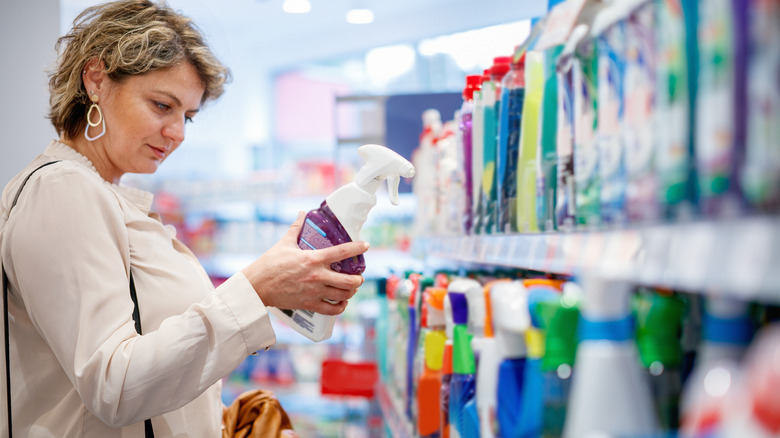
<point>392,188</point>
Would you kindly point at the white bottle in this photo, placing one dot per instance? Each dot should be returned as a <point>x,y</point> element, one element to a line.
<point>339,220</point>
<point>610,395</point>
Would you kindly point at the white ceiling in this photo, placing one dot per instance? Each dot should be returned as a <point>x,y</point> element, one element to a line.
<point>261,30</point>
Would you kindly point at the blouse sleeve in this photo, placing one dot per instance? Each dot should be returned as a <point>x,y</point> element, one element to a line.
<point>69,251</point>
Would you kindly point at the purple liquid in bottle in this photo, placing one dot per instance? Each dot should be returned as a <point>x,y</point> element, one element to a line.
<point>320,230</point>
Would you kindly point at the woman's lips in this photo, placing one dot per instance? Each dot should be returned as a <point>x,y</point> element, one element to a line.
<point>158,151</point>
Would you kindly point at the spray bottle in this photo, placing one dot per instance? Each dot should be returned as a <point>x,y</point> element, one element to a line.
<point>529,135</point>
<point>610,395</point>
<point>433,339</point>
<point>463,384</point>
<point>339,219</point>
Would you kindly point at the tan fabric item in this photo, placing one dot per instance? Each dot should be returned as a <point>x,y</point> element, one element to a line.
<point>256,414</point>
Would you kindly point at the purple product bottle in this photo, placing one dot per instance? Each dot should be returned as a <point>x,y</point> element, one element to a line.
<point>320,230</point>
<point>464,130</point>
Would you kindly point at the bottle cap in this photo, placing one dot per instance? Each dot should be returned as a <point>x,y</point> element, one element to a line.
<point>472,83</point>
<point>462,354</point>
<point>460,308</point>
<point>658,328</point>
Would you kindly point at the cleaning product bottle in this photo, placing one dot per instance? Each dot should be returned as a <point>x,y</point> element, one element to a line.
<point>565,206</point>
<point>756,413</point>
<point>720,106</point>
<point>430,383</point>
<point>477,315</point>
<point>529,135</point>
<point>487,371</point>
<point>449,182</point>
<point>465,116</point>
<point>761,174</point>
<point>424,182</point>
<point>559,319</point>
<point>477,152</point>
<point>538,290</point>
<point>676,77</point>
<point>609,33</point>
<point>339,219</point>
<point>659,317</point>
<point>510,316</point>
<point>509,122</point>
<point>447,428</point>
<point>546,156</point>
<point>462,386</point>
<point>727,330</point>
<point>639,135</point>
<point>610,395</point>
<point>413,352</point>
<point>491,97</point>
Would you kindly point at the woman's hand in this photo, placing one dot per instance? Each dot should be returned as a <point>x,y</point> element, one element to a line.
<point>288,277</point>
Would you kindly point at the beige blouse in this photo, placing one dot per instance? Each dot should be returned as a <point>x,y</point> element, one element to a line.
<point>78,367</point>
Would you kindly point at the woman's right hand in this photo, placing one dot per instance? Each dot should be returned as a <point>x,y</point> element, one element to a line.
<point>288,277</point>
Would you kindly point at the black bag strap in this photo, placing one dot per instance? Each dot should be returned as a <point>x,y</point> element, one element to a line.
<point>149,432</point>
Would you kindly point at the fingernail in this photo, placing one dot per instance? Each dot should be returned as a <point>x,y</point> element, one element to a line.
<point>366,245</point>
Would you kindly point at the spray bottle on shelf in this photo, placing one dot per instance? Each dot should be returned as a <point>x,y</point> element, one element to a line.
<point>546,157</point>
<point>727,330</point>
<point>659,317</point>
<point>463,385</point>
<point>415,327</point>
<point>339,219</point>
<point>447,428</point>
<point>511,319</point>
<point>559,319</point>
<point>424,183</point>
<point>432,339</point>
<point>610,394</point>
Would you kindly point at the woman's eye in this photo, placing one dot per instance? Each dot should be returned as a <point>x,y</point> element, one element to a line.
<point>162,106</point>
<point>188,120</point>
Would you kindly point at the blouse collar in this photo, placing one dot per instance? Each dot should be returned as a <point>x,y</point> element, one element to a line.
<point>140,198</point>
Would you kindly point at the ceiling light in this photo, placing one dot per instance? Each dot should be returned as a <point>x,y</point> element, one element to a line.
<point>296,6</point>
<point>360,16</point>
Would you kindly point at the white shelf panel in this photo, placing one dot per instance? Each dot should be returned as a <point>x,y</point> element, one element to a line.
<point>739,257</point>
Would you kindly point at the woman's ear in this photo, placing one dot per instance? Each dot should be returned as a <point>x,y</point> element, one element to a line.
<point>93,76</point>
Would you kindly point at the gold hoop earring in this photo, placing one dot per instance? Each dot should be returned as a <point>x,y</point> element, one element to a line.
<point>100,120</point>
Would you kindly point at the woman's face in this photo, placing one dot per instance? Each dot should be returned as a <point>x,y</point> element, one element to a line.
<point>145,120</point>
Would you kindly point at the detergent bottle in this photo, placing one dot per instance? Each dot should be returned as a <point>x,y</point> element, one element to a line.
<point>339,220</point>
<point>511,319</point>
<point>433,339</point>
<point>463,384</point>
<point>610,394</point>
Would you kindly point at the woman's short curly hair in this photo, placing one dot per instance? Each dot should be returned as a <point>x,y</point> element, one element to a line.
<point>130,37</point>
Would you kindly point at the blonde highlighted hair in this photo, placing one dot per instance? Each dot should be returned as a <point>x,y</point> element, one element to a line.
<point>129,37</point>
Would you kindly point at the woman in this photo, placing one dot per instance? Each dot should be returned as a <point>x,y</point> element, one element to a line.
<point>130,75</point>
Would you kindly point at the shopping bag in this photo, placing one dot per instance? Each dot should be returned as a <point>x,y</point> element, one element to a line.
<point>256,414</point>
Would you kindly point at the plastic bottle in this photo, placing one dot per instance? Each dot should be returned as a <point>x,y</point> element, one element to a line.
<point>462,386</point>
<point>639,136</point>
<point>727,330</point>
<point>529,136</point>
<point>565,205</point>
<point>478,152</point>
<point>487,371</point>
<point>761,174</point>
<point>610,395</point>
<point>447,429</point>
<point>559,320</point>
<point>511,319</point>
<point>677,64</point>
<point>659,317</point>
<point>720,105</point>
<point>430,383</point>
<point>532,406</point>
<point>424,183</point>
<point>546,156</point>
<point>413,340</point>
<point>609,33</point>
<point>491,97</point>
<point>339,219</point>
<point>509,122</point>
<point>449,182</point>
<point>465,116</point>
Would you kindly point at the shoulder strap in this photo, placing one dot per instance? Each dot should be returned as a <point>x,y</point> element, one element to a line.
<point>5,310</point>
<point>148,431</point>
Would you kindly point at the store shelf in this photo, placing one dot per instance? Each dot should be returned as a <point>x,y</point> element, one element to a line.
<point>738,257</point>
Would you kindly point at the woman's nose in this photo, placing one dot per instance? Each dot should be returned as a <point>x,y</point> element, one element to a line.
<point>174,131</point>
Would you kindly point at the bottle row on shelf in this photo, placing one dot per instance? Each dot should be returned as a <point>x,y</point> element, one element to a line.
<point>612,114</point>
<point>513,353</point>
